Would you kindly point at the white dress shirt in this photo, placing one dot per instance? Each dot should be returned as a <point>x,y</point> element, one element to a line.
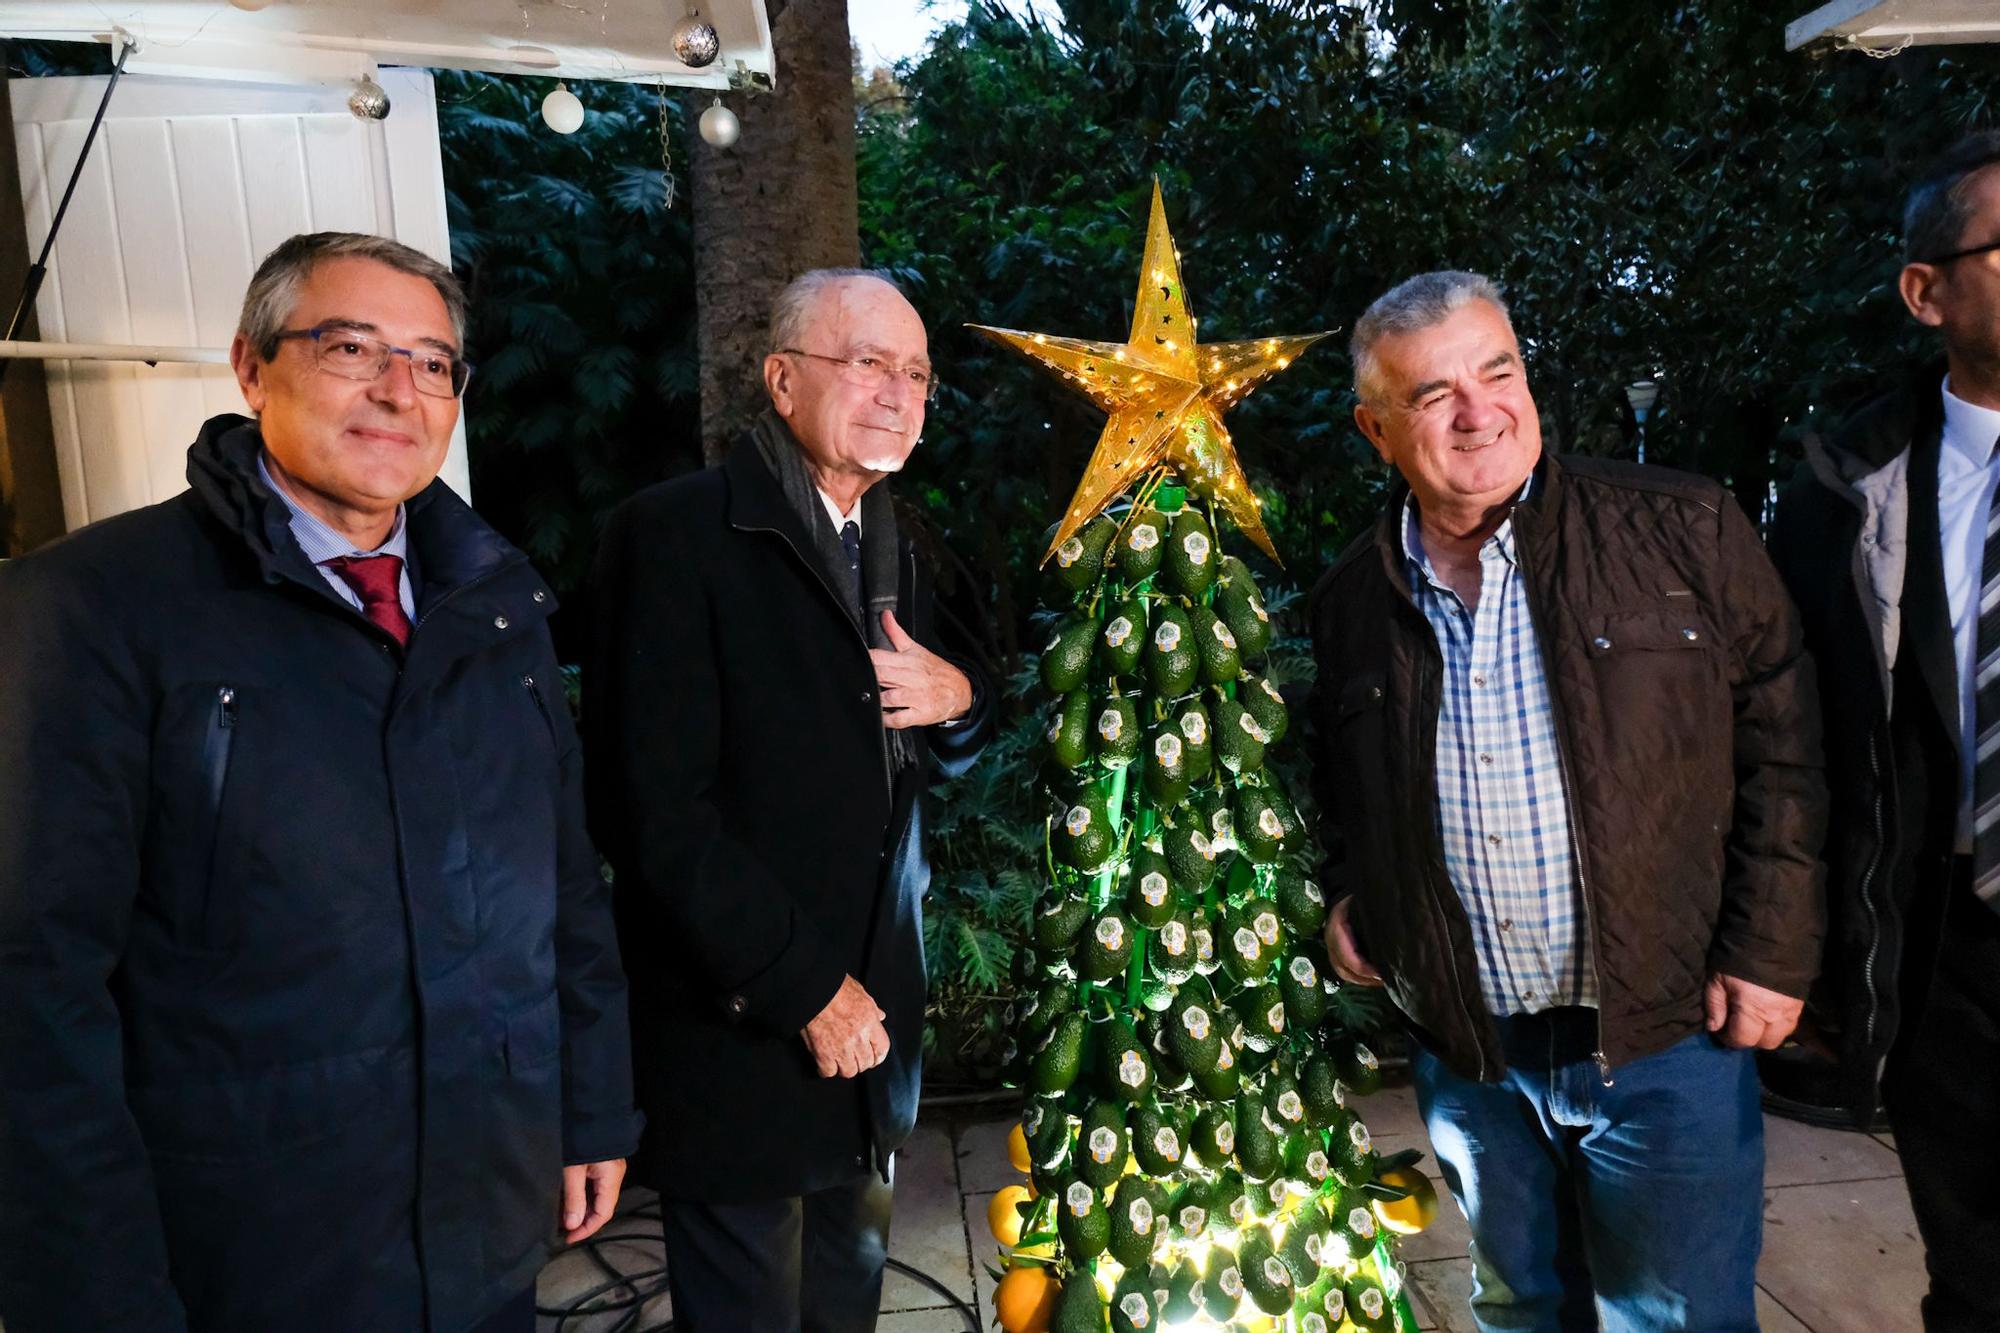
<point>1967,472</point>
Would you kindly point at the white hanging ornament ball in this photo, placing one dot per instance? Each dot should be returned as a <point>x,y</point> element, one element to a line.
<point>368,101</point>
<point>251,6</point>
<point>562,110</point>
<point>719,126</point>
<point>695,41</point>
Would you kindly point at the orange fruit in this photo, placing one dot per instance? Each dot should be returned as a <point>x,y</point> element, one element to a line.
<point>1017,1150</point>
<point>1408,1216</point>
<point>1025,1300</point>
<point>1003,1214</point>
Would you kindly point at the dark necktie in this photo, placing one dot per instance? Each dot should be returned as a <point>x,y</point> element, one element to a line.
<point>378,581</point>
<point>1986,725</point>
<point>850,542</point>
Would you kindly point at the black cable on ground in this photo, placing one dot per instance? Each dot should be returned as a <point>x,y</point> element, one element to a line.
<point>629,1293</point>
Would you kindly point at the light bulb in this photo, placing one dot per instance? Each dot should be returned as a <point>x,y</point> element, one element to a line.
<point>562,111</point>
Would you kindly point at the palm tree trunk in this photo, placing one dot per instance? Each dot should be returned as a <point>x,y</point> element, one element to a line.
<point>778,203</point>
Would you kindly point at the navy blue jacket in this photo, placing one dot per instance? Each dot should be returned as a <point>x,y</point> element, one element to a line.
<point>308,978</point>
<point>763,849</point>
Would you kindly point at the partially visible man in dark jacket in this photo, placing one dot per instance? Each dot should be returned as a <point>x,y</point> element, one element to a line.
<point>1886,537</point>
<point>761,716</point>
<point>311,1016</point>
<point>1568,764</point>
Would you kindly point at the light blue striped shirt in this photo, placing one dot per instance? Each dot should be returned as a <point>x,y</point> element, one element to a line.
<point>1502,813</point>
<point>322,543</point>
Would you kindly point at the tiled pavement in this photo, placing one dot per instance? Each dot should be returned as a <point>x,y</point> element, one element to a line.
<point>1840,1248</point>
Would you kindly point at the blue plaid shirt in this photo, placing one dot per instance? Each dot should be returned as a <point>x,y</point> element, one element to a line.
<point>1502,813</point>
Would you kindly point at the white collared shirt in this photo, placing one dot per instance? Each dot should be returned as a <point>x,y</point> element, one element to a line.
<point>1968,470</point>
<point>840,520</point>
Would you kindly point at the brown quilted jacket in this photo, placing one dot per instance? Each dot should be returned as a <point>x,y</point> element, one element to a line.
<point>1688,722</point>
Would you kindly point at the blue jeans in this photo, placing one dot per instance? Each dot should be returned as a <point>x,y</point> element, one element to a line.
<point>1639,1204</point>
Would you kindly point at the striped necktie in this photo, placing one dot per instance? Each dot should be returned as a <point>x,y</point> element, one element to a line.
<point>1986,716</point>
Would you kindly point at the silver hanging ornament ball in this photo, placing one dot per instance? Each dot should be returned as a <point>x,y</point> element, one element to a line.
<point>562,111</point>
<point>719,126</point>
<point>695,41</point>
<point>368,101</point>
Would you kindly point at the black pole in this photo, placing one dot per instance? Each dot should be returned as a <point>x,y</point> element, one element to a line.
<point>31,285</point>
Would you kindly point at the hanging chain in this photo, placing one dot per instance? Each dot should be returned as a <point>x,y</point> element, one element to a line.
<point>667,182</point>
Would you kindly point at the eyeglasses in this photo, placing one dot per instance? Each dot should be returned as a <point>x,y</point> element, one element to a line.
<point>872,372</point>
<point>356,356</point>
<point>1962,254</point>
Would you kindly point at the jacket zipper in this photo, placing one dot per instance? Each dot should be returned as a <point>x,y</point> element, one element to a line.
<point>1867,900</point>
<point>216,752</point>
<point>1570,812</point>
<point>541,705</point>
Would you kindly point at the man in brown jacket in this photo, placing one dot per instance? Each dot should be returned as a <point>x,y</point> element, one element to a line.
<point>1569,776</point>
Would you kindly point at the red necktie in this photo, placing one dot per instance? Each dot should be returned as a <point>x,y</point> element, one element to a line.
<point>378,581</point>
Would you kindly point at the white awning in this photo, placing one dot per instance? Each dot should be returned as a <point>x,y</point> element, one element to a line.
<point>1890,25</point>
<point>337,41</point>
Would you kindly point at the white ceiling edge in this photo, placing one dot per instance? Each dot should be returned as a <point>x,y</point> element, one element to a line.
<point>337,41</point>
<point>1890,25</point>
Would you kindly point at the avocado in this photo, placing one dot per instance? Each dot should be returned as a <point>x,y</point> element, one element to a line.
<point>1304,991</point>
<point>1368,1306</point>
<point>1265,1278</point>
<point>1221,1285</point>
<point>1084,1226</point>
<point>1150,895</point>
<point>1172,951</point>
<point>1099,1154</point>
<point>1138,1219</point>
<point>1260,698</point>
<point>1106,947</point>
<point>1194,1032</point>
<point>1133,1308</point>
<point>1059,1060</point>
<point>1259,834</point>
<point>1166,766</point>
<point>1300,904</point>
<point>1215,1137</point>
<point>1260,1010</point>
<point>1126,1070</point>
<point>1319,1090</point>
<point>1350,1151</point>
<point>1139,549</point>
<point>1083,834</point>
<point>1239,739</point>
<point>1257,1141</point>
<point>1190,720</point>
<point>1171,658</point>
<point>1079,562</point>
<point>1182,1304</point>
<point>1304,1251</point>
<point>1158,1140</point>
<point>1222,1081</point>
<point>1282,1101</point>
<point>1359,1069</point>
<point>1250,939</point>
<point>1039,1011</point>
<point>1191,556</point>
<point>1211,806</point>
<point>1060,921</point>
<point>1216,646</point>
<point>1241,607</point>
<point>1066,661</point>
<point>1191,856</point>
<point>1115,735</point>
<point>1049,1136</point>
<point>1123,638</point>
<point>1069,729</point>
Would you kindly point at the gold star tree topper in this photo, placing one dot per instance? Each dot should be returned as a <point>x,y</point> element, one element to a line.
<point>1165,392</point>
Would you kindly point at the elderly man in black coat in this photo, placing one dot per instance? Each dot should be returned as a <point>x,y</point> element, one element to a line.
<point>311,1016</point>
<point>761,715</point>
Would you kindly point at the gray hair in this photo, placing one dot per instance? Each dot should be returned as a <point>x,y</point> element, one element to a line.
<point>793,309</point>
<point>1939,205</point>
<point>273,293</point>
<point>1410,306</point>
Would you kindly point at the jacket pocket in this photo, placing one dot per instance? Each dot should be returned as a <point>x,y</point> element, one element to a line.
<point>1359,694</point>
<point>217,751</point>
<point>1651,629</point>
<point>534,688</point>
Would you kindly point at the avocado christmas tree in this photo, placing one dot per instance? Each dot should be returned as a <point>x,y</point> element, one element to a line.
<point>1191,1159</point>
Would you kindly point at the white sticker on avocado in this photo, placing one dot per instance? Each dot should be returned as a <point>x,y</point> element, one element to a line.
<point>1141,1215</point>
<point>1174,938</point>
<point>1357,1134</point>
<point>1111,724</point>
<point>1239,1209</point>
<point>1361,1222</point>
<point>1231,1282</point>
<point>1168,636</point>
<point>1271,689</point>
<point>1290,1107</point>
<point>1055,906</point>
<point>1268,823</point>
<point>1132,1069</point>
<point>1226,1059</point>
<point>1304,972</point>
<point>1276,1189</point>
<point>1032,1121</point>
<point>1315,1247</point>
<point>1154,888</point>
<point>1202,846</point>
<point>1194,1219</point>
<point>1222,822</point>
<point>1080,1198</point>
<point>1225,1137</point>
<point>1055,729</point>
<point>1078,820</point>
<point>1257,610</point>
<point>1274,1017</point>
<point>1223,636</point>
<point>1137,1313</point>
<point>1246,944</point>
<point>1119,630</point>
<point>1312,892</point>
<point>1103,1143</point>
<point>1371,1303</point>
<point>1167,1144</point>
<point>1142,537</point>
<point>1365,1057</point>
<point>1194,726</point>
<point>1266,926</point>
<point>1317,1166</point>
<point>1167,749</point>
<point>1336,1304</point>
<point>1204,943</point>
<point>1251,729</point>
<point>1069,552</point>
<point>1196,546</point>
<point>1195,1019</point>
<point>1314,1322</point>
<point>1276,1273</point>
<point>1110,932</point>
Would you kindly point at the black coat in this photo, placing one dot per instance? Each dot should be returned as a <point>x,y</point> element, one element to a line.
<point>308,981</point>
<point>740,790</point>
<point>1894,784</point>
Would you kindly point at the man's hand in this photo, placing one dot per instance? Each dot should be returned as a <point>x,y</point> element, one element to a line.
<point>848,1039</point>
<point>590,1196</point>
<point>1746,1015</point>
<point>1344,952</point>
<point>918,688</point>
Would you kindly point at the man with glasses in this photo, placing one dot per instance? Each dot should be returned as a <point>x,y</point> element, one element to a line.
<point>765,701</point>
<point>1890,540</point>
<point>311,1014</point>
